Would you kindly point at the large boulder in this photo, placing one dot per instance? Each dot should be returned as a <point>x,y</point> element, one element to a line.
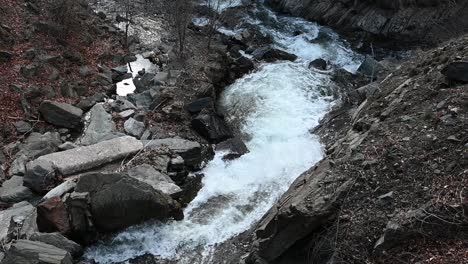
<point>211,127</point>
<point>158,180</point>
<point>13,191</point>
<point>319,64</point>
<point>40,176</point>
<point>270,54</point>
<point>61,114</point>
<point>119,201</point>
<point>27,251</point>
<point>234,147</point>
<point>88,157</point>
<point>190,151</point>
<point>134,128</point>
<point>99,126</point>
<point>456,71</point>
<point>17,221</point>
<point>58,240</point>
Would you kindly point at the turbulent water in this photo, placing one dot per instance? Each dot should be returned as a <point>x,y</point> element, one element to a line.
<point>276,106</point>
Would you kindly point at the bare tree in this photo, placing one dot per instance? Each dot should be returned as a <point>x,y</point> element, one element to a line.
<point>64,14</point>
<point>128,9</point>
<point>180,15</point>
<point>216,16</point>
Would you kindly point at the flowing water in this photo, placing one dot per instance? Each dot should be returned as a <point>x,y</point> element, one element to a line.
<point>275,107</point>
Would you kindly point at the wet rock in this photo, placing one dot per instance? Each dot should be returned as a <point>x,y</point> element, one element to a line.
<point>27,251</point>
<point>159,181</point>
<point>134,127</point>
<point>370,67</point>
<point>52,216</point>
<point>61,114</point>
<point>13,191</point>
<point>17,221</point>
<point>89,102</point>
<point>59,241</point>
<point>199,104</point>
<point>99,127</point>
<point>119,201</point>
<point>319,64</point>
<point>88,157</point>
<point>190,151</point>
<point>40,176</point>
<point>269,54</point>
<point>211,127</point>
<point>456,71</point>
<point>235,146</point>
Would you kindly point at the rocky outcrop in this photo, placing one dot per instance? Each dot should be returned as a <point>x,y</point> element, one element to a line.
<point>118,201</point>
<point>403,21</point>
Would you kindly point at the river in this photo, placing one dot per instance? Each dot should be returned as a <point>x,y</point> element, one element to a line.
<point>276,107</point>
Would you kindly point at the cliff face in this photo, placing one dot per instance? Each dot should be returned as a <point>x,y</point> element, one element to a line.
<point>386,21</point>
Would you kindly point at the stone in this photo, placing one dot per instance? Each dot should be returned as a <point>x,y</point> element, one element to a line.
<point>269,54</point>
<point>159,181</point>
<point>84,158</point>
<point>52,216</point>
<point>98,127</point>
<point>23,127</point>
<point>89,102</point>
<point>59,241</point>
<point>177,164</point>
<point>122,104</point>
<point>235,146</point>
<point>38,251</point>
<point>67,145</point>
<point>144,82</point>
<point>119,201</point>
<point>190,151</point>
<point>5,56</point>
<point>199,104</point>
<point>142,100</point>
<point>61,189</point>
<point>17,221</point>
<point>13,191</point>
<point>29,71</point>
<point>456,71</point>
<point>38,144</point>
<point>319,64</point>
<point>40,176</point>
<point>127,113</point>
<point>18,166</point>
<point>211,127</point>
<point>85,71</point>
<point>78,205</point>
<point>61,114</point>
<point>370,67</point>
<point>134,128</point>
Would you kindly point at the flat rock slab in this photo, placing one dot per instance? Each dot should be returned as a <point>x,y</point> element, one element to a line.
<point>84,158</point>
<point>43,252</point>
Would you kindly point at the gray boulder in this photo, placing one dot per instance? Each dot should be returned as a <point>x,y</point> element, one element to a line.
<point>142,100</point>
<point>58,240</point>
<point>456,71</point>
<point>17,221</point>
<point>23,127</point>
<point>211,127</point>
<point>99,126</point>
<point>37,145</point>
<point>84,158</point>
<point>36,252</point>
<point>18,166</point>
<point>119,201</point>
<point>134,127</point>
<point>40,176</point>
<point>190,151</point>
<point>159,181</point>
<point>13,191</point>
<point>371,67</point>
<point>122,104</point>
<point>61,114</point>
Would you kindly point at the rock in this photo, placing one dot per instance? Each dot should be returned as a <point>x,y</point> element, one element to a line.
<point>84,158</point>
<point>68,91</point>
<point>211,127</point>
<point>38,252</point>
<point>89,102</point>
<point>99,126</point>
<point>5,56</point>
<point>456,71</point>
<point>144,82</point>
<point>17,221</point>
<point>29,71</point>
<point>269,54</point>
<point>18,166</point>
<point>40,176</point>
<point>126,113</point>
<point>159,181</point>
<point>80,216</point>
<point>319,64</point>
<point>177,164</point>
<point>119,201</point>
<point>190,151</point>
<point>120,73</point>
<point>22,127</point>
<point>101,15</point>
<point>61,114</point>
<point>37,145</point>
<point>122,104</point>
<point>58,240</point>
<point>68,145</point>
<point>85,71</point>
<point>300,211</point>
<point>235,146</point>
<point>134,128</point>
<point>52,216</point>
<point>199,104</point>
<point>370,67</point>
<point>13,191</point>
<point>60,190</point>
<point>129,58</point>
<point>142,100</point>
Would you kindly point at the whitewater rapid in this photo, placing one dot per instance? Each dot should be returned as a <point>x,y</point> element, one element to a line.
<point>276,107</point>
